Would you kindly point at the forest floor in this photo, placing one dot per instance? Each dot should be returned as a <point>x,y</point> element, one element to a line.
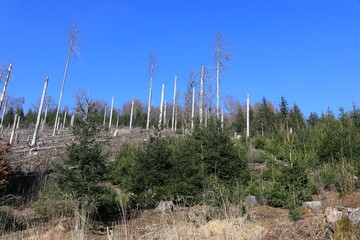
<point>198,222</point>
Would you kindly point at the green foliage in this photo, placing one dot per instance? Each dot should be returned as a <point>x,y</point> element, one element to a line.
<point>346,230</point>
<point>259,142</point>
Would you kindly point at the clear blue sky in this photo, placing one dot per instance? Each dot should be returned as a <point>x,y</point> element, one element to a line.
<point>305,50</point>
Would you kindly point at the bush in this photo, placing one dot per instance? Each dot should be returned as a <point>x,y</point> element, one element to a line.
<point>259,142</point>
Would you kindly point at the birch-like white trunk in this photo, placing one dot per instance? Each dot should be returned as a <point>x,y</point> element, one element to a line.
<point>111,111</point>
<point>201,95</point>
<point>3,115</point>
<point>165,123</point>
<point>62,89</point>
<point>13,129</point>
<point>173,108</point>
<point>58,123</point>
<point>64,122</point>
<point>5,85</point>
<point>176,110</point>
<point>149,104</point>
<point>132,112</point>
<point>44,120</point>
<point>18,122</point>
<point>161,106</point>
<point>72,120</point>
<point>33,142</point>
<point>104,116</point>
<point>193,108</point>
<point>222,118</point>
<point>247,115</point>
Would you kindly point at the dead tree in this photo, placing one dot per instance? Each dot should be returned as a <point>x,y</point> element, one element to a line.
<point>193,108</point>
<point>64,121</point>
<point>33,142</point>
<point>247,115</point>
<point>176,110</point>
<point>18,122</point>
<point>220,55</point>
<point>13,129</point>
<point>3,114</point>
<point>5,85</point>
<point>73,36</point>
<point>44,120</point>
<point>165,124</point>
<point>104,116</point>
<point>152,62</point>
<point>131,113</point>
<point>72,120</point>
<point>161,106</point>
<point>201,95</point>
<point>174,106</point>
<point>111,111</point>
<point>222,118</point>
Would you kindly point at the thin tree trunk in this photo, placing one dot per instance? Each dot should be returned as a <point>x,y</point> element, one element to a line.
<point>165,123</point>
<point>247,115</point>
<point>132,112</point>
<point>44,121</point>
<point>5,85</point>
<point>3,115</point>
<point>206,116</point>
<point>18,122</point>
<point>117,122</point>
<point>201,95</point>
<point>64,122</point>
<point>218,80</point>
<point>222,118</point>
<point>176,110</point>
<point>72,120</point>
<point>104,116</point>
<point>161,106</point>
<point>13,129</point>
<point>111,111</point>
<point>193,108</point>
<point>33,142</point>
<point>173,109</point>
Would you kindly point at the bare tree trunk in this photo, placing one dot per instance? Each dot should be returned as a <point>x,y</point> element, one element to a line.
<point>33,142</point>
<point>176,110</point>
<point>18,122</point>
<point>193,108</point>
<point>132,112</point>
<point>5,85</point>
<point>247,115</point>
<point>3,115</point>
<point>165,123</point>
<point>72,45</point>
<point>44,120</point>
<point>72,120</point>
<point>111,111</point>
<point>206,116</point>
<point>151,72</point>
<point>222,118</point>
<point>104,116</point>
<point>13,129</point>
<point>58,123</point>
<point>201,95</point>
<point>161,106</point>
<point>64,122</point>
<point>173,109</point>
<point>218,79</point>
<point>117,122</point>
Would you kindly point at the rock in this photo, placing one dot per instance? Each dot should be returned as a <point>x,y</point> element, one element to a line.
<point>250,201</point>
<point>165,206</point>
<point>332,214</point>
<point>316,207</point>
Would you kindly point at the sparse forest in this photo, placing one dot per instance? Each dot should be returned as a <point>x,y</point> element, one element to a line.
<point>195,162</point>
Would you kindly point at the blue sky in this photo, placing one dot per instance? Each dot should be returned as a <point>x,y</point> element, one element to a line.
<point>305,50</point>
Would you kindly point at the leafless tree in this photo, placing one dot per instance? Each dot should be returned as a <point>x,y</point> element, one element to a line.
<point>73,37</point>
<point>152,67</point>
<point>5,85</point>
<point>221,54</point>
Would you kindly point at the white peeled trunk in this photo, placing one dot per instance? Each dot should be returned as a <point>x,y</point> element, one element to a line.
<point>3,115</point>
<point>64,122</point>
<point>5,85</point>
<point>58,123</point>
<point>13,129</point>
<point>72,120</point>
<point>247,115</point>
<point>44,120</point>
<point>173,108</point>
<point>117,122</point>
<point>176,110</point>
<point>62,89</point>
<point>111,111</point>
<point>18,122</point>
<point>104,116</point>
<point>161,106</point>
<point>222,118</point>
<point>131,112</point>
<point>193,108</point>
<point>201,95</point>
<point>149,104</point>
<point>218,59</point>
<point>33,142</point>
<point>165,123</point>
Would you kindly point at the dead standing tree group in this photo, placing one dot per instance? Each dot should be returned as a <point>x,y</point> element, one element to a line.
<point>152,63</point>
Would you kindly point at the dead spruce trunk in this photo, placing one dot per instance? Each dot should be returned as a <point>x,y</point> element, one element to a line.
<point>173,108</point>
<point>161,106</point>
<point>111,111</point>
<point>13,129</point>
<point>201,95</point>
<point>247,115</point>
<point>5,85</point>
<point>193,108</point>
<point>131,114</point>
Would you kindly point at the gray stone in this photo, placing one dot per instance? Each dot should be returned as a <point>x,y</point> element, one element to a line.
<point>316,207</point>
<point>250,201</point>
<point>334,214</point>
<point>165,206</point>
